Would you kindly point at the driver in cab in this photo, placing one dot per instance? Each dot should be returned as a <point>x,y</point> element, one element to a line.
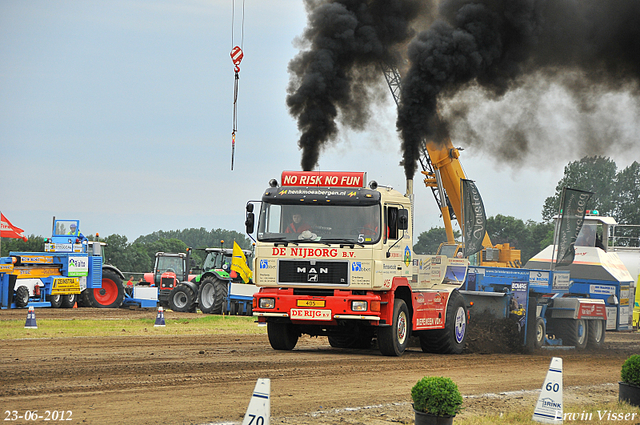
<point>297,225</point>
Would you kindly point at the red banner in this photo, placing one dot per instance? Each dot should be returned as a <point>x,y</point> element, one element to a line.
<point>8,230</point>
<point>324,178</point>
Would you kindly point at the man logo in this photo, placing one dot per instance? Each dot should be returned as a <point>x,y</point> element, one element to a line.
<point>356,266</point>
<point>312,278</point>
<point>264,264</point>
<point>322,270</point>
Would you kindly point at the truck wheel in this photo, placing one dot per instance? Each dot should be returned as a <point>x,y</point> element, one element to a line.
<point>213,294</point>
<point>573,332</point>
<point>393,340</point>
<point>69,300</point>
<point>111,294</point>
<point>22,296</point>
<point>451,339</point>
<point>282,336</point>
<point>536,333</point>
<point>596,333</point>
<point>181,299</point>
<point>55,300</point>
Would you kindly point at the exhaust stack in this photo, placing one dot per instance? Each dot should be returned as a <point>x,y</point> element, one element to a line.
<point>409,194</point>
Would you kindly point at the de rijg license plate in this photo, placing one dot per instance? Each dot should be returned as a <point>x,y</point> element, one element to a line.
<point>310,314</point>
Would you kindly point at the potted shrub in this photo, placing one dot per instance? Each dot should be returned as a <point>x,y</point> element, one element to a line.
<point>436,400</point>
<point>630,384</point>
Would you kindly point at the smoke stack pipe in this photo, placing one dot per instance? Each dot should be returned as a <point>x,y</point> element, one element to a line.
<point>409,194</point>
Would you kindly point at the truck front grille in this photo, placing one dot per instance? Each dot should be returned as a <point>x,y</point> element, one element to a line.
<point>313,272</point>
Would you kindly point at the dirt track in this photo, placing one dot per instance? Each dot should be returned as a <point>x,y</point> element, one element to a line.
<point>209,378</point>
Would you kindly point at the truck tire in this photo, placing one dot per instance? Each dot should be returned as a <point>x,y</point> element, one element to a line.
<point>536,333</point>
<point>69,300</point>
<point>22,297</point>
<point>212,295</point>
<point>182,299</point>
<point>393,340</point>
<point>282,336</point>
<point>55,300</point>
<point>451,339</point>
<point>111,294</point>
<point>572,332</point>
<point>596,333</point>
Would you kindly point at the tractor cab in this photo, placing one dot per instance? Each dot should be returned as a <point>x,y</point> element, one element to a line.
<point>220,259</point>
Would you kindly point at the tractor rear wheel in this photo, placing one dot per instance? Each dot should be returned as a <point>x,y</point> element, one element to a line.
<point>182,299</point>
<point>212,295</point>
<point>111,294</point>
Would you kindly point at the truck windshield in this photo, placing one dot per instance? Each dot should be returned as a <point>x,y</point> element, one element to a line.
<point>319,223</point>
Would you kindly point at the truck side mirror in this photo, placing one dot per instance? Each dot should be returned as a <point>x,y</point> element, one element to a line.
<point>249,222</point>
<point>403,219</point>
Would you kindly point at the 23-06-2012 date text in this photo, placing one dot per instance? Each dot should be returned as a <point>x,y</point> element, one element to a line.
<point>34,415</point>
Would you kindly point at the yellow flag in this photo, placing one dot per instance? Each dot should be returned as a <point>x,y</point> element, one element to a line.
<point>239,263</point>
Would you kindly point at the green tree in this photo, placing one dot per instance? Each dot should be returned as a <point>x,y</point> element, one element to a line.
<point>627,209</point>
<point>592,173</point>
<point>32,244</point>
<point>527,237</point>
<point>200,238</point>
<point>429,241</point>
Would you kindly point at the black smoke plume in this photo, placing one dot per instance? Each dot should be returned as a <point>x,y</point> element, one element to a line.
<point>497,45</point>
<point>344,43</point>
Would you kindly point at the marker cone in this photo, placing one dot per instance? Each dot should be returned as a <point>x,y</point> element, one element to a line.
<point>160,318</point>
<point>259,410</point>
<point>31,319</point>
<point>549,408</point>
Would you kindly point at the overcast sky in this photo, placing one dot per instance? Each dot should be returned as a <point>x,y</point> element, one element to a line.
<point>119,114</point>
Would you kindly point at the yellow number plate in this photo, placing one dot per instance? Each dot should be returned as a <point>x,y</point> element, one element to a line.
<point>310,303</point>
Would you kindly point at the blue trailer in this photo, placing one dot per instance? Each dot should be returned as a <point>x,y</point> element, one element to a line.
<point>542,302</point>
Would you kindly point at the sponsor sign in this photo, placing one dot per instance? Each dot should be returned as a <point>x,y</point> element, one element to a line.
<point>309,314</point>
<point>602,290</point>
<point>561,281</point>
<point>429,310</point>
<point>324,178</point>
<point>65,285</point>
<point>474,218</point>
<point>591,310</point>
<point>36,259</point>
<point>78,266</point>
<point>573,209</point>
<point>538,278</point>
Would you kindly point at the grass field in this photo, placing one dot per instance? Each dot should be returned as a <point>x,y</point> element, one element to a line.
<point>198,325</point>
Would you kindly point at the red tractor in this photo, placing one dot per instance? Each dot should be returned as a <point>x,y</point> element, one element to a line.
<point>169,271</point>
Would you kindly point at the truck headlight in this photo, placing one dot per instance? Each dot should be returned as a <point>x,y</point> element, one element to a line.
<point>358,306</point>
<point>267,302</point>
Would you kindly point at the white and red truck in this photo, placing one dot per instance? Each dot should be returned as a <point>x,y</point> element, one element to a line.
<point>334,257</point>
